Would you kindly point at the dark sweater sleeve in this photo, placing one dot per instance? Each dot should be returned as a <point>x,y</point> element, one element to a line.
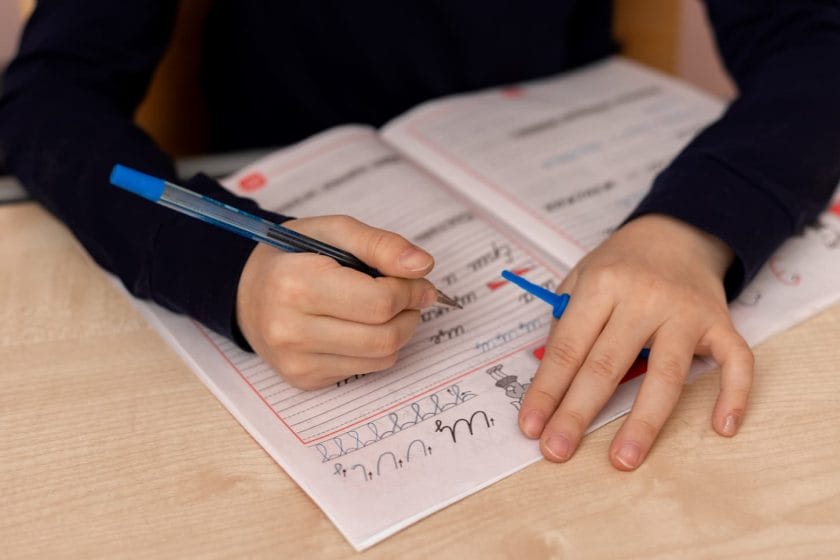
<point>769,165</point>
<point>66,119</point>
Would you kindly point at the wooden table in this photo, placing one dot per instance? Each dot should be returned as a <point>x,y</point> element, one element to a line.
<point>111,447</point>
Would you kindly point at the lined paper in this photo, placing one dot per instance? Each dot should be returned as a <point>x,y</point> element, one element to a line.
<point>489,181</point>
<point>379,451</point>
<point>469,254</point>
<point>562,160</point>
<point>565,160</point>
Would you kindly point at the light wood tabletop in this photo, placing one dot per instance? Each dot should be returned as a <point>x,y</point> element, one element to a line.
<point>111,447</point>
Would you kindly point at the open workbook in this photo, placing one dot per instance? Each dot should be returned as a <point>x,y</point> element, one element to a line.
<point>526,178</point>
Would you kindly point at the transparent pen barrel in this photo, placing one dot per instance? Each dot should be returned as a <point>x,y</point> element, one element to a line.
<point>210,210</point>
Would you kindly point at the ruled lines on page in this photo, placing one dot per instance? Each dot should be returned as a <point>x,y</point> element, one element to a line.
<point>564,160</point>
<point>561,161</point>
<point>369,181</point>
<point>379,451</point>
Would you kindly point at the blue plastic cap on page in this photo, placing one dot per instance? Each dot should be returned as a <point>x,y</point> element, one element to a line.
<point>148,187</point>
<point>560,305</point>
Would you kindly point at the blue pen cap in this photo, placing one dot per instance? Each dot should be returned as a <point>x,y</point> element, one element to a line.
<point>148,187</point>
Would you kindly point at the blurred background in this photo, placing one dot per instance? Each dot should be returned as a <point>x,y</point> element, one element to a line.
<point>671,35</point>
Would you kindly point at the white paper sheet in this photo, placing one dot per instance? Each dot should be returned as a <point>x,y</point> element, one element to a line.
<point>562,160</point>
<point>381,451</point>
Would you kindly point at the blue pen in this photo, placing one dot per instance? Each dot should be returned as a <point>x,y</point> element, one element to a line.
<point>558,302</point>
<point>232,219</point>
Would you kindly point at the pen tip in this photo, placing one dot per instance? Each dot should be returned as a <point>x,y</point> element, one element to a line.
<point>446,300</point>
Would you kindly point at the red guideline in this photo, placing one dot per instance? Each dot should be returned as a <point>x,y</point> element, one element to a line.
<point>496,284</point>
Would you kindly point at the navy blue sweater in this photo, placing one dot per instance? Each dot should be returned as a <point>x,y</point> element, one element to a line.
<point>276,72</point>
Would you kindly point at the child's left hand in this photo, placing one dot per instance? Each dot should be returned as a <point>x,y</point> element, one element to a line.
<point>656,281</point>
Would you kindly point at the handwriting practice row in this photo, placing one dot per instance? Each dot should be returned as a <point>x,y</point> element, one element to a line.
<point>469,254</point>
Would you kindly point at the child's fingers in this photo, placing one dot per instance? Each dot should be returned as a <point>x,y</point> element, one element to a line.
<point>737,363</point>
<point>565,351</point>
<point>668,365</point>
<point>610,358</point>
<point>348,294</point>
<point>313,334</point>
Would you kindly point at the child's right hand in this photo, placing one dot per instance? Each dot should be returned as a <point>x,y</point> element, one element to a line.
<point>316,322</point>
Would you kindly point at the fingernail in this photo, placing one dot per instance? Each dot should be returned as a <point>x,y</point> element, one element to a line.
<point>730,425</point>
<point>532,424</point>
<point>628,455</point>
<point>429,298</point>
<point>414,259</point>
<point>558,445</point>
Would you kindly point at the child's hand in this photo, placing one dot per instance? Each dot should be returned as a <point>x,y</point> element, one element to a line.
<point>655,281</point>
<point>316,322</point>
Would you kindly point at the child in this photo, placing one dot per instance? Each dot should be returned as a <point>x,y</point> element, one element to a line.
<point>277,72</point>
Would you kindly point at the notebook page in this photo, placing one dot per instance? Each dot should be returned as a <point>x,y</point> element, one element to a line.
<point>380,451</point>
<point>563,160</point>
